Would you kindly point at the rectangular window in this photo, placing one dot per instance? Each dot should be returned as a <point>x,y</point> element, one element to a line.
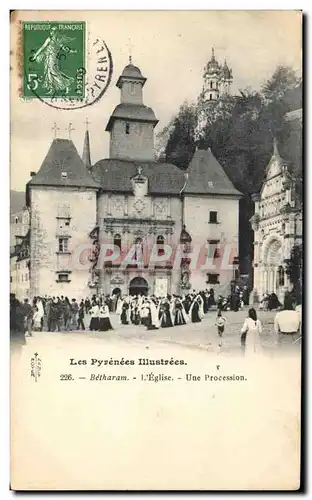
<point>63,245</point>
<point>213,279</point>
<point>11,279</point>
<point>127,128</point>
<point>213,217</point>
<point>214,251</point>
<point>63,222</point>
<point>63,277</point>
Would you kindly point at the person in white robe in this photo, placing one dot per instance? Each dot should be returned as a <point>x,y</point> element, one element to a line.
<point>251,332</point>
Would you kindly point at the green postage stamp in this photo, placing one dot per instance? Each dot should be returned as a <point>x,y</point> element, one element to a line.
<point>53,59</point>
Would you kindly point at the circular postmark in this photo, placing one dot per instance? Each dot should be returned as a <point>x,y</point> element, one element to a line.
<point>62,67</point>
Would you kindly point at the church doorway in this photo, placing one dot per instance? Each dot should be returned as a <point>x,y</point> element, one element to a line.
<point>138,286</point>
<point>116,291</point>
<point>273,273</point>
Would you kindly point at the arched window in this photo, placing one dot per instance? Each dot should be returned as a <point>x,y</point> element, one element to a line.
<point>117,241</point>
<point>210,97</point>
<point>281,276</point>
<point>211,84</point>
<point>138,243</point>
<point>127,128</point>
<point>160,241</point>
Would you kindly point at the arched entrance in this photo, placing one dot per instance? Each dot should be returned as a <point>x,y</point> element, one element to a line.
<point>138,286</point>
<point>116,291</point>
<point>273,263</point>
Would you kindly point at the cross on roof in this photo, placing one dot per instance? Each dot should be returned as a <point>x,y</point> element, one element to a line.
<point>69,129</point>
<point>130,52</point>
<point>55,129</point>
<point>87,122</point>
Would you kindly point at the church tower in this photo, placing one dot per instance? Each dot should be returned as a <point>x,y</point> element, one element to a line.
<point>226,79</point>
<point>217,81</point>
<point>131,125</point>
<point>211,79</point>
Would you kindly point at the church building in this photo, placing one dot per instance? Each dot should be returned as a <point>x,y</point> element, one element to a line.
<point>277,225</point>
<point>134,204</point>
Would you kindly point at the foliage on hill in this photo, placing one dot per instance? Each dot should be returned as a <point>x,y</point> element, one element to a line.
<point>239,130</point>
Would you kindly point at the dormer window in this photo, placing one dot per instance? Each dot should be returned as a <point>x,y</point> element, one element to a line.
<point>64,175</point>
<point>127,128</point>
<point>139,183</point>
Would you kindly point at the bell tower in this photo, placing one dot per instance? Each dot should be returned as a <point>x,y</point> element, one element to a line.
<point>131,124</point>
<point>211,79</point>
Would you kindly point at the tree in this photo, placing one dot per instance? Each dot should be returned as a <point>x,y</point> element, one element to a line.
<point>239,130</point>
<point>181,143</point>
<point>283,79</point>
<point>294,264</point>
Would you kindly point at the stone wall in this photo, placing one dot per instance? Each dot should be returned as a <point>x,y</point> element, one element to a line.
<point>138,144</point>
<point>47,205</point>
<point>196,217</point>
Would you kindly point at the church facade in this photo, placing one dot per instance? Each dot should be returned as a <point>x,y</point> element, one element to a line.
<point>277,225</point>
<point>130,223</point>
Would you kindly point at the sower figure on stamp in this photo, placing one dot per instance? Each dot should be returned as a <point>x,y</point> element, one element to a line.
<point>50,53</point>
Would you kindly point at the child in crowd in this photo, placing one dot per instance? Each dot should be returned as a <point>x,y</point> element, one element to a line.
<point>220,323</point>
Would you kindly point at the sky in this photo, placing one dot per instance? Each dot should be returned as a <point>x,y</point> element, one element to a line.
<point>171,48</point>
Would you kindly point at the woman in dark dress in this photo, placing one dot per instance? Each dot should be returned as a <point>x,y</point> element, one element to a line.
<point>196,310</point>
<point>273,302</point>
<point>95,321</point>
<point>124,314</point>
<point>135,316</point>
<point>211,298</point>
<point>179,313</point>
<point>104,319</point>
<point>165,318</point>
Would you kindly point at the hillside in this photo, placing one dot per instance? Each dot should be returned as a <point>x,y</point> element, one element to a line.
<point>17,201</point>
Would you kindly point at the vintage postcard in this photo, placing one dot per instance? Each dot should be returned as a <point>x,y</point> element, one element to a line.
<point>156,250</point>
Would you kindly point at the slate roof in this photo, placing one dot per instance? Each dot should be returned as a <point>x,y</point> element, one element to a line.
<point>206,176</point>
<point>131,72</point>
<point>276,163</point>
<point>63,157</point>
<point>115,175</point>
<point>136,112</point>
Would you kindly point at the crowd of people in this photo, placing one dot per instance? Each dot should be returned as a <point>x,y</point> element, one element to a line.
<point>61,314</point>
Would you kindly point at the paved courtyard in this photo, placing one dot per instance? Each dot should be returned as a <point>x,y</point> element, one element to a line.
<point>201,336</point>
